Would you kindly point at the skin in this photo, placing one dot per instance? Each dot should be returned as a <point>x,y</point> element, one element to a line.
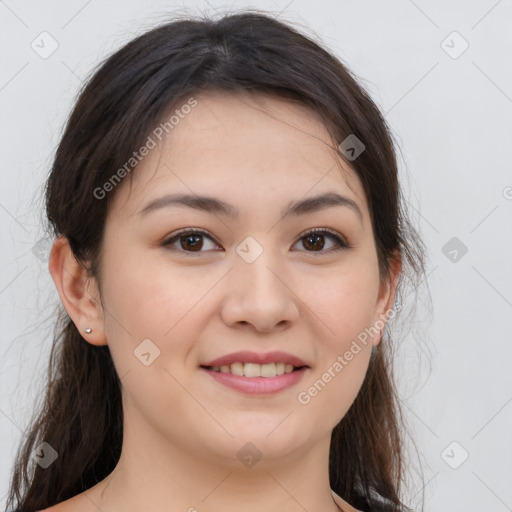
<point>182,429</point>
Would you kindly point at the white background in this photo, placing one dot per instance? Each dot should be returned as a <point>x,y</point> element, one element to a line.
<point>452,118</point>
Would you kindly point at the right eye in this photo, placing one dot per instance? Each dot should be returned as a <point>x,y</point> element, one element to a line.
<point>188,240</point>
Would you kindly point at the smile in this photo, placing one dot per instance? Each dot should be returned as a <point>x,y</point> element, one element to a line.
<point>255,370</point>
<point>253,383</point>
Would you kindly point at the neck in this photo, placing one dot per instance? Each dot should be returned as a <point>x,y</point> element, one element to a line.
<point>157,475</point>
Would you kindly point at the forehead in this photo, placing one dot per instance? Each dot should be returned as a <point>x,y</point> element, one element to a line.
<point>245,146</point>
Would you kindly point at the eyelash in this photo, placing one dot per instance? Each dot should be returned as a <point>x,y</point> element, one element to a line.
<point>341,243</point>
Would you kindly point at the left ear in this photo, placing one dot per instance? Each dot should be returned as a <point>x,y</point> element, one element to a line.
<point>386,295</point>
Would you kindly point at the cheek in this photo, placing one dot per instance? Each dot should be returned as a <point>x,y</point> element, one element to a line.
<point>154,300</point>
<point>158,303</point>
<point>345,306</point>
<point>344,301</point>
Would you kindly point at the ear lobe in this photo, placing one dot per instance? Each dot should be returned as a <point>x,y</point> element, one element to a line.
<point>78,292</point>
<point>387,294</point>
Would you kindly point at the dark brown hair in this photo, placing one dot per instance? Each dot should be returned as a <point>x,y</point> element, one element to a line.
<point>81,415</point>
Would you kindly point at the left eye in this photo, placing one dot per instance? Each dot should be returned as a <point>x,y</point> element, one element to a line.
<point>314,241</point>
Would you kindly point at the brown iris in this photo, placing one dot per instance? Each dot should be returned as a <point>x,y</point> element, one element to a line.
<point>194,242</point>
<point>316,243</point>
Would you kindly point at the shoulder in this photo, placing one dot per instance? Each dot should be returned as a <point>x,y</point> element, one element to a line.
<point>344,506</point>
<point>70,505</point>
<point>83,502</point>
<point>61,507</point>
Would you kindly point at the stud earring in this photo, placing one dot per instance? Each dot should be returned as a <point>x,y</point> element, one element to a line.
<point>88,330</point>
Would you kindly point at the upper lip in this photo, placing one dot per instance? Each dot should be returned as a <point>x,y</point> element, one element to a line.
<point>247,356</point>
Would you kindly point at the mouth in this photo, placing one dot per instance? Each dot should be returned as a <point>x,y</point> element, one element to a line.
<point>256,379</point>
<point>252,370</point>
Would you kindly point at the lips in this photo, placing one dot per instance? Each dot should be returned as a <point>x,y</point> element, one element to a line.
<point>254,385</point>
<point>256,358</point>
<point>256,373</point>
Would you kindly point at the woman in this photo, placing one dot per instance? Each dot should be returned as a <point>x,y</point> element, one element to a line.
<point>230,245</point>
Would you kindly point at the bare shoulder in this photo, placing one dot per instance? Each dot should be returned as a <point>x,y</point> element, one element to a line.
<point>75,504</point>
<point>60,507</point>
<point>343,504</point>
<point>86,501</point>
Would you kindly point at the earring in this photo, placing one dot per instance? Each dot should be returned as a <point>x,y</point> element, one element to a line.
<point>88,330</point>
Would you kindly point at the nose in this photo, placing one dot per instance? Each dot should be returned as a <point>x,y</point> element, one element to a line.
<point>260,296</point>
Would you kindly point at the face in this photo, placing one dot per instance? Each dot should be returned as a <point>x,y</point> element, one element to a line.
<point>184,285</point>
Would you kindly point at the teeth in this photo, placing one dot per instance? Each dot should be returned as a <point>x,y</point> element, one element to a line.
<point>254,369</point>
<point>268,370</point>
<point>237,369</point>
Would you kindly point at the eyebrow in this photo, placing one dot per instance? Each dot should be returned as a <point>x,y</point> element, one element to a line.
<point>209,204</point>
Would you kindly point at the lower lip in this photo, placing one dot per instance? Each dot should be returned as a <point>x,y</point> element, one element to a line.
<point>258,385</point>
